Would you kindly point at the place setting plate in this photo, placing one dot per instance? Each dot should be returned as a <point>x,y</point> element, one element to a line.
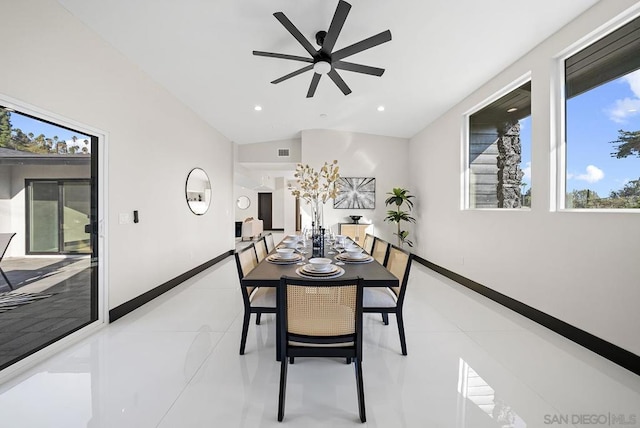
<point>275,258</point>
<point>307,271</point>
<point>345,258</point>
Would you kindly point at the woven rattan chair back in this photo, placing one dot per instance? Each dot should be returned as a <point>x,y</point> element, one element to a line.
<point>367,245</point>
<point>246,261</point>
<point>398,262</point>
<point>321,311</point>
<point>379,251</point>
<point>268,239</point>
<point>261,249</point>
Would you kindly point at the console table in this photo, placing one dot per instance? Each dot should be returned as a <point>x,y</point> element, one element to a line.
<point>355,231</point>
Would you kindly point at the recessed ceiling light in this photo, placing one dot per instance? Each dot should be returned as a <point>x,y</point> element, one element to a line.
<point>258,108</point>
<point>380,108</point>
<point>512,109</point>
<point>632,110</point>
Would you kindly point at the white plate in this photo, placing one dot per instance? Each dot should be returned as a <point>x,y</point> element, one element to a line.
<point>309,268</point>
<point>347,259</point>
<point>274,258</point>
<point>301,272</point>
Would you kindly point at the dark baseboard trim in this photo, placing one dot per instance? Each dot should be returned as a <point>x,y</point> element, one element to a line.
<point>611,352</point>
<point>274,230</point>
<point>135,303</point>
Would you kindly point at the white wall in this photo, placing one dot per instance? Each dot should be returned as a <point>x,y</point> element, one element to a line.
<point>579,267</point>
<point>153,142</point>
<point>252,211</point>
<point>360,155</point>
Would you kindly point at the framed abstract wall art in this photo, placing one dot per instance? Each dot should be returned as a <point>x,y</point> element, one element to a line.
<point>355,193</point>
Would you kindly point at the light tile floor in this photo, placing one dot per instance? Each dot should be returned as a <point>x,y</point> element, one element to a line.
<point>175,363</point>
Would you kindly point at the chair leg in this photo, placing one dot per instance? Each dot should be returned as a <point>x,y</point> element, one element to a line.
<point>291,360</point>
<point>385,318</point>
<point>258,318</point>
<point>403,340</point>
<point>245,329</point>
<point>6,279</point>
<point>360,387</point>
<point>348,360</point>
<point>283,388</point>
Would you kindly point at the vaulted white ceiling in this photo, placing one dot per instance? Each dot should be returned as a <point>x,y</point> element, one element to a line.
<point>201,51</point>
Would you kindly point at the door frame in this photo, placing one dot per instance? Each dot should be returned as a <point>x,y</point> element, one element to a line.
<point>99,145</point>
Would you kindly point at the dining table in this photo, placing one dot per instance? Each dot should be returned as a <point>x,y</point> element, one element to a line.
<point>268,274</point>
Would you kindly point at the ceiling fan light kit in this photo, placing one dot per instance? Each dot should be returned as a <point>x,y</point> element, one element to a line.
<point>324,60</point>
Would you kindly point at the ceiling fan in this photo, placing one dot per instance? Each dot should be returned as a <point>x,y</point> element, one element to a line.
<point>323,60</point>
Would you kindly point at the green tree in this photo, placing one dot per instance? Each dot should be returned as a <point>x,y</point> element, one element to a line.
<point>584,198</point>
<point>5,128</point>
<point>627,144</point>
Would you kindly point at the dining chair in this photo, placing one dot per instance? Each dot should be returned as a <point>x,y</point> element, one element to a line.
<point>5,240</point>
<point>320,319</point>
<point>367,245</point>
<point>390,300</point>
<point>379,250</point>
<point>257,300</point>
<point>261,249</point>
<point>268,239</point>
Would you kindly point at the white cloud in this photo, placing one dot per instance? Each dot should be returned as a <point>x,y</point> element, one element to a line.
<point>527,174</point>
<point>633,79</point>
<point>593,175</point>
<point>623,109</point>
<point>627,107</point>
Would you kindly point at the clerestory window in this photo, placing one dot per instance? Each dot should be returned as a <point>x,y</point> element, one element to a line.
<point>602,123</point>
<point>499,152</point>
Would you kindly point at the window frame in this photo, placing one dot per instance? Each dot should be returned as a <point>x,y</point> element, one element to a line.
<point>558,148</point>
<point>465,143</point>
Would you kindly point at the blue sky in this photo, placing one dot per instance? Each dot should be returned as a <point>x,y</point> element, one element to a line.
<point>593,120</point>
<point>27,125</point>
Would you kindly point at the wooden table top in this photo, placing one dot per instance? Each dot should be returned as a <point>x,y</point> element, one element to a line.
<point>268,274</point>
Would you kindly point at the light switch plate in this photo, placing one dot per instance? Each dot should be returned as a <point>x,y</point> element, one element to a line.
<point>124,218</point>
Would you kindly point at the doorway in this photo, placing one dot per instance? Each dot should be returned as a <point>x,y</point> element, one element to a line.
<point>265,213</point>
<point>50,199</point>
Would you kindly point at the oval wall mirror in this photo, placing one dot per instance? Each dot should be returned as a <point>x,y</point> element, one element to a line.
<point>198,191</point>
<point>243,202</point>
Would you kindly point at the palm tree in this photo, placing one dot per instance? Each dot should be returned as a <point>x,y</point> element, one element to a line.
<point>400,197</point>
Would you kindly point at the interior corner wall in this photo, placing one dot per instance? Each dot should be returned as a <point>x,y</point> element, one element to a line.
<point>153,141</point>
<point>359,155</point>
<point>580,267</point>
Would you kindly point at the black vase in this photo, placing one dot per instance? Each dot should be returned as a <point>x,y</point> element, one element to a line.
<point>317,242</point>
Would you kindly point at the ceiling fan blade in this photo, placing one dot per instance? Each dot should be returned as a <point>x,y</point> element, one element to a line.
<point>336,26</point>
<point>283,56</point>
<point>358,68</point>
<point>372,41</point>
<point>295,33</point>
<point>333,74</point>
<point>314,85</point>
<point>295,73</point>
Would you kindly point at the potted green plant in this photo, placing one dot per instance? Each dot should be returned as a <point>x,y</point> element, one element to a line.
<point>400,197</point>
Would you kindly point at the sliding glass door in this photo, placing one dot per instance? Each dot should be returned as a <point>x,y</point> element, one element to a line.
<point>49,203</point>
<point>58,213</point>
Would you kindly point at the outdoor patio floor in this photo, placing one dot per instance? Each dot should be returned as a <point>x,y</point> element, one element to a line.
<point>62,289</point>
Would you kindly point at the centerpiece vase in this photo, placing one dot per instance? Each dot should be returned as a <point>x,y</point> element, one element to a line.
<point>317,235</point>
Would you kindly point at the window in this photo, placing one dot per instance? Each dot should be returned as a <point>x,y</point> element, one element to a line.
<point>499,152</point>
<point>602,123</point>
